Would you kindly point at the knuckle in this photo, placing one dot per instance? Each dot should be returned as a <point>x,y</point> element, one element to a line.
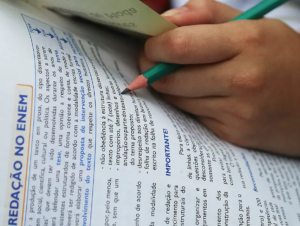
<point>246,122</point>
<point>205,8</point>
<point>253,36</point>
<point>247,113</point>
<point>245,126</point>
<point>206,4</point>
<point>176,44</point>
<point>249,80</point>
<point>249,116</point>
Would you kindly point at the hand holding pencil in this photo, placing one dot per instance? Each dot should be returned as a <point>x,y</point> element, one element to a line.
<point>162,69</point>
<point>241,78</point>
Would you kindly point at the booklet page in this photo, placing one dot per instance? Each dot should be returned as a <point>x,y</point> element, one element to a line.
<point>76,152</point>
<point>130,15</point>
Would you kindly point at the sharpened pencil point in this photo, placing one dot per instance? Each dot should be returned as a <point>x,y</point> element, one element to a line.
<point>126,91</point>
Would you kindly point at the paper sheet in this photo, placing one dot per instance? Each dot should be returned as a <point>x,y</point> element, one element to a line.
<point>76,152</point>
<point>130,15</point>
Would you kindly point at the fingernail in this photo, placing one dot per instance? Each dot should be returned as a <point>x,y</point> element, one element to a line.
<point>173,12</point>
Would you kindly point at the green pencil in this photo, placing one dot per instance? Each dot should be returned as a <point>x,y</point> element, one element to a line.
<point>163,69</point>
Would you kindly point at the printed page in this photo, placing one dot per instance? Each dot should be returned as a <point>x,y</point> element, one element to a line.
<point>130,15</point>
<point>76,152</point>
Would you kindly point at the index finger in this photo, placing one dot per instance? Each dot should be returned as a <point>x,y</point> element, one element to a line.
<point>197,44</point>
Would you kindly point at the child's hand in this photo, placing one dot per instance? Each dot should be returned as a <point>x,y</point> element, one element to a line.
<point>243,78</point>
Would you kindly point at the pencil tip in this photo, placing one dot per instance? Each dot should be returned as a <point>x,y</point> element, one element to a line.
<point>126,91</point>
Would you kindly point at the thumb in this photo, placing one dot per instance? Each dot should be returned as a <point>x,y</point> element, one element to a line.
<point>201,12</point>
